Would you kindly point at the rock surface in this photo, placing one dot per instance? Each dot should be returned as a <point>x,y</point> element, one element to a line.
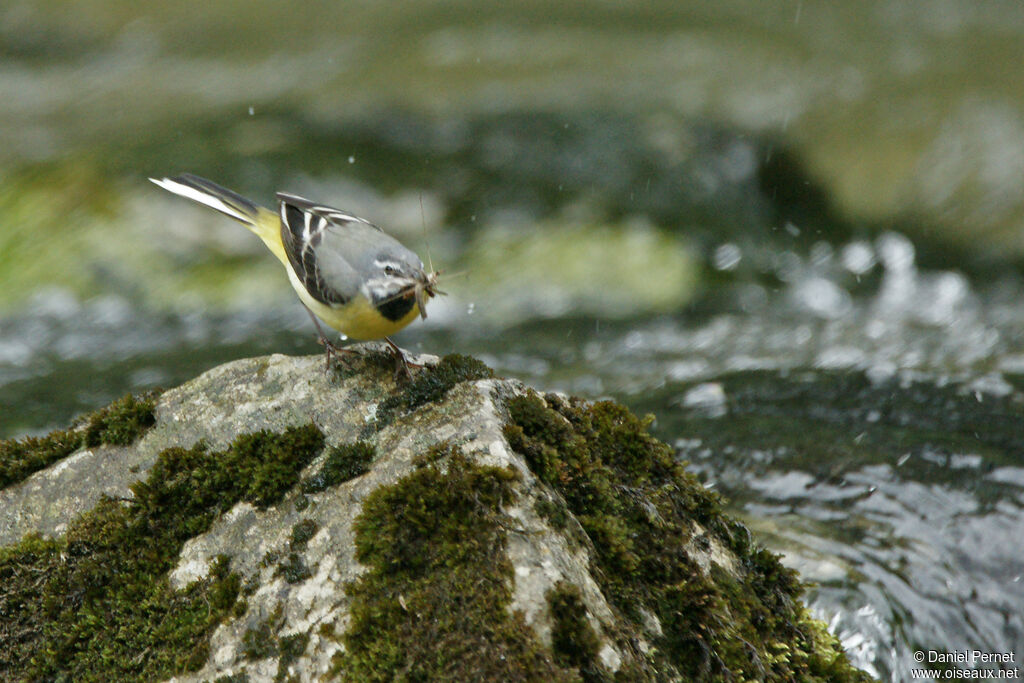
<point>515,528</point>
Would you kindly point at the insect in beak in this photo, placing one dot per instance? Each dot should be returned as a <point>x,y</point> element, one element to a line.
<point>426,287</point>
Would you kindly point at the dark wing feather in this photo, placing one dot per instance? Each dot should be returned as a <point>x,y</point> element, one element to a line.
<point>303,224</point>
<point>335,216</point>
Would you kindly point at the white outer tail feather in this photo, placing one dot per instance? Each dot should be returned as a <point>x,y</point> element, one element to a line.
<point>205,198</point>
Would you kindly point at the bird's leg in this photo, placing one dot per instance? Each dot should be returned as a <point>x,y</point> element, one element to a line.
<point>402,364</point>
<point>330,349</point>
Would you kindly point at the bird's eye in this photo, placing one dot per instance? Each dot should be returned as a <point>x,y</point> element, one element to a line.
<point>390,270</point>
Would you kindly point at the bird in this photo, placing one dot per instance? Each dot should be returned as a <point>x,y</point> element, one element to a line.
<point>346,271</point>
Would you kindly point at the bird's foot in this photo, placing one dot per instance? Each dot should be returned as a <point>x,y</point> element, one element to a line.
<point>332,351</point>
<point>402,364</point>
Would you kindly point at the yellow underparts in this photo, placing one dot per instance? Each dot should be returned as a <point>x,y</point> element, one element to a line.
<point>268,227</point>
<point>357,319</point>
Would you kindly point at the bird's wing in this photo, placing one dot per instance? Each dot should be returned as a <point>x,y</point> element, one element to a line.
<point>315,238</point>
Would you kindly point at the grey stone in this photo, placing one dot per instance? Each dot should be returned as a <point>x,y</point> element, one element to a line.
<point>277,392</point>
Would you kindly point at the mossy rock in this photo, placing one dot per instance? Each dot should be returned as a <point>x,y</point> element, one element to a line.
<point>119,424</point>
<point>283,523</point>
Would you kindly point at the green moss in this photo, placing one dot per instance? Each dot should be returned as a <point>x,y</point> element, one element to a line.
<point>240,677</point>
<point>431,384</point>
<point>260,641</point>
<point>572,637</point>
<point>96,604</point>
<point>556,515</point>
<point>269,558</point>
<point>301,533</point>
<point>294,569</point>
<point>120,423</point>
<point>639,508</point>
<point>291,648</point>
<point>433,604</point>
<point>344,462</point>
<point>251,585</point>
<point>223,593</point>
<point>275,464</point>
<point>21,457</point>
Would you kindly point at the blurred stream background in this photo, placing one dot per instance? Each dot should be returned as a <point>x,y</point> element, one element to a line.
<point>793,232</point>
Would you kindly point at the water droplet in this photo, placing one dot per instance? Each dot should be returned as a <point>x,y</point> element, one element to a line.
<point>858,257</point>
<point>896,252</point>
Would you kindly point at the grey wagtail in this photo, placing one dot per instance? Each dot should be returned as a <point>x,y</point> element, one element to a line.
<point>346,270</point>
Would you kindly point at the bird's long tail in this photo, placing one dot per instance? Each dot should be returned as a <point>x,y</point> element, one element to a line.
<point>262,221</point>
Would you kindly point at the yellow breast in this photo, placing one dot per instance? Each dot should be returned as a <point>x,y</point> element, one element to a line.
<point>357,319</point>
